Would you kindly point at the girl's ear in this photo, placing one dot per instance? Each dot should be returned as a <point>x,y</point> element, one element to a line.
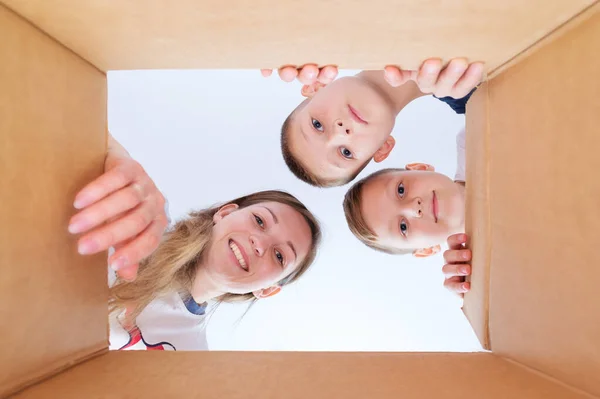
<point>224,211</point>
<point>426,252</point>
<point>267,292</point>
<point>310,90</point>
<point>420,166</point>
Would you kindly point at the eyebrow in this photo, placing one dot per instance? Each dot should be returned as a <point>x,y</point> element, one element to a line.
<point>277,222</point>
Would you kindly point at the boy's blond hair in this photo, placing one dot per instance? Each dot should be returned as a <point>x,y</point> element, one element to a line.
<point>356,222</point>
<point>300,170</point>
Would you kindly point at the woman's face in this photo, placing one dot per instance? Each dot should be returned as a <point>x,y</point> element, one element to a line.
<point>255,247</point>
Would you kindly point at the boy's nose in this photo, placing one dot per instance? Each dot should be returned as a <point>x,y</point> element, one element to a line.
<point>414,208</point>
<point>257,245</point>
<point>342,128</point>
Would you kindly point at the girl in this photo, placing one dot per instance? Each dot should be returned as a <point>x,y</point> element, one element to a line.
<point>245,250</point>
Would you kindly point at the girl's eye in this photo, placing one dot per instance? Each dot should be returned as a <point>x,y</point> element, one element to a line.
<point>279,257</point>
<point>259,221</point>
<point>401,190</point>
<point>317,125</point>
<point>346,153</point>
<point>403,227</point>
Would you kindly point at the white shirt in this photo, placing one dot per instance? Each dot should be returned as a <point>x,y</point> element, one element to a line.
<point>166,323</point>
<point>460,155</point>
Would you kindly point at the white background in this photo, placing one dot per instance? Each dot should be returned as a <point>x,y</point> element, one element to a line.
<point>209,136</point>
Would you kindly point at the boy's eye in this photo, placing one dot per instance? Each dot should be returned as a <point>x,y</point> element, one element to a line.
<point>317,125</point>
<point>401,190</point>
<point>279,257</point>
<point>259,221</point>
<point>403,227</point>
<point>346,153</point>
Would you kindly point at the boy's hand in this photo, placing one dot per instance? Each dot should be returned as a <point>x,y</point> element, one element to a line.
<point>307,75</point>
<point>457,259</point>
<point>456,80</point>
<point>121,209</point>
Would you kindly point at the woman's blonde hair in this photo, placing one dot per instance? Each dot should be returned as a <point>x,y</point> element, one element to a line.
<point>172,267</point>
<point>354,217</point>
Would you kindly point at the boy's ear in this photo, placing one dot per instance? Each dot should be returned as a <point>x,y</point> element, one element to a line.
<point>224,211</point>
<point>426,252</point>
<point>420,166</point>
<point>267,292</point>
<point>311,89</point>
<point>382,153</point>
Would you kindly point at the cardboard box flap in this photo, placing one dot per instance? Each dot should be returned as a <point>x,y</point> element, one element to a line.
<point>545,209</point>
<point>52,142</point>
<point>218,375</point>
<point>477,224</point>
<point>265,33</point>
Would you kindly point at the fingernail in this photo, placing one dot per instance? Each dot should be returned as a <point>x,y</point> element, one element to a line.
<point>118,264</point>
<point>87,247</point>
<point>77,227</point>
<point>465,287</point>
<point>80,202</point>
<point>430,67</point>
<point>465,255</point>
<point>329,73</point>
<point>464,270</point>
<point>128,275</point>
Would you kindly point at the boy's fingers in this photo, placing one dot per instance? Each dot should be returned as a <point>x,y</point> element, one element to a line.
<point>457,255</point>
<point>308,74</point>
<point>288,74</point>
<point>457,286</point>
<point>449,77</point>
<point>456,270</point>
<point>456,241</point>
<point>102,211</point>
<point>470,79</point>
<point>428,75</point>
<point>328,74</point>
<point>392,75</point>
<point>109,182</point>
<point>266,72</point>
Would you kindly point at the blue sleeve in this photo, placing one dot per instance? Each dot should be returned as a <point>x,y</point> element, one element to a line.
<point>458,105</point>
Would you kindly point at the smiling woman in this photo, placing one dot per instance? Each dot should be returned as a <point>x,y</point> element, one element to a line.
<point>245,250</point>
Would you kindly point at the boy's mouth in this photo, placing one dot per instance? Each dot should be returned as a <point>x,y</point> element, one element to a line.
<point>356,116</point>
<point>434,206</point>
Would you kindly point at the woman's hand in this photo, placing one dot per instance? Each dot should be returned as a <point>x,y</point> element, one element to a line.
<point>122,209</point>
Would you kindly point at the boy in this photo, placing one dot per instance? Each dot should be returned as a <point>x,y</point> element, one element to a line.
<point>333,134</point>
<point>413,210</point>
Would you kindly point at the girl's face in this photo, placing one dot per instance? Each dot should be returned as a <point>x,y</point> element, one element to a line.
<point>413,209</point>
<point>255,247</point>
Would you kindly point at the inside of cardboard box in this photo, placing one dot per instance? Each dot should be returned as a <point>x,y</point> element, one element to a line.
<point>544,334</point>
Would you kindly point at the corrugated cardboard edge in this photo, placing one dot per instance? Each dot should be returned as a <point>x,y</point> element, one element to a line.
<point>477,223</point>
<point>547,377</point>
<point>548,38</point>
<point>58,367</point>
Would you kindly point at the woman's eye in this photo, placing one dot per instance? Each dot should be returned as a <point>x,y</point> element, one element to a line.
<point>279,257</point>
<point>346,153</point>
<point>259,221</point>
<point>317,125</point>
<point>403,228</point>
<point>401,190</point>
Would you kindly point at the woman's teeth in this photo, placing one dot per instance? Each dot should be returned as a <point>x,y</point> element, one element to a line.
<point>238,254</point>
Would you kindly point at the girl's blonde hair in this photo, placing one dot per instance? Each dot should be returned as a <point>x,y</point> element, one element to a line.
<point>172,267</point>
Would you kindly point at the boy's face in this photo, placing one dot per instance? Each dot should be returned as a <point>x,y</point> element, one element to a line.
<point>413,209</point>
<point>341,127</point>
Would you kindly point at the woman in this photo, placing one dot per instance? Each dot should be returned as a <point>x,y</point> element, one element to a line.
<point>244,250</point>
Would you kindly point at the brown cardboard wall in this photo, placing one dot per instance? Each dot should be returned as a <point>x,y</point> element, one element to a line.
<point>52,142</point>
<point>476,303</point>
<point>545,209</point>
<point>266,33</point>
<point>230,375</point>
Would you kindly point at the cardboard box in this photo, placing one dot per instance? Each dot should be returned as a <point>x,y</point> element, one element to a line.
<point>533,194</point>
